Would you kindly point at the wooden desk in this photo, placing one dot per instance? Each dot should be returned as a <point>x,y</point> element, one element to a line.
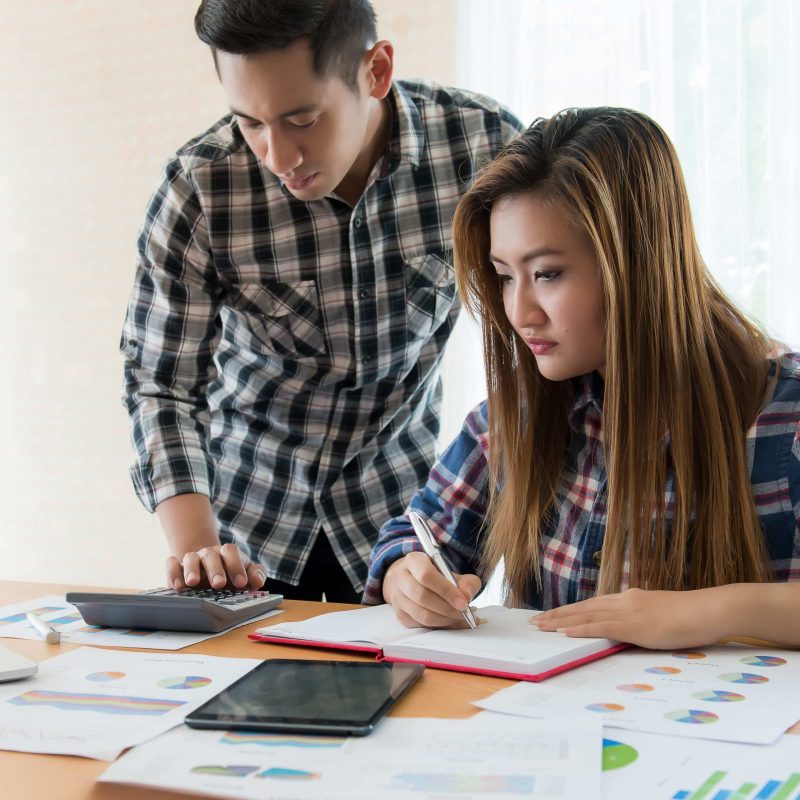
<point>29,776</point>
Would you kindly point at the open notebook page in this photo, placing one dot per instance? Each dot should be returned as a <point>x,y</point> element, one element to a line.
<point>502,640</point>
<point>372,626</point>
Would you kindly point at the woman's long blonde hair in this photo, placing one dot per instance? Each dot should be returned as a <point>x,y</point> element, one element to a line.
<point>685,370</point>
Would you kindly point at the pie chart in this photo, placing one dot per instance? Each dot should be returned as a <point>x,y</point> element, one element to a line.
<point>692,716</point>
<point>743,677</point>
<point>692,655</point>
<point>605,708</point>
<point>662,670</point>
<point>718,696</point>
<point>763,661</point>
<point>617,754</point>
<point>635,687</point>
<point>105,676</point>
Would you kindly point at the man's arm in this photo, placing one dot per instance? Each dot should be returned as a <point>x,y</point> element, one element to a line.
<point>197,556</point>
<point>168,341</point>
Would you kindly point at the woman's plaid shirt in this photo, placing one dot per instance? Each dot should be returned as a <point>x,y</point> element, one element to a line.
<point>282,357</point>
<point>456,494</point>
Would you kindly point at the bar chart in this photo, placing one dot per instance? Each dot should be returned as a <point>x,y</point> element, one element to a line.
<point>714,788</point>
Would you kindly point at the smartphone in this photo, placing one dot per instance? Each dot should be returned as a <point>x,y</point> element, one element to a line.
<point>321,697</point>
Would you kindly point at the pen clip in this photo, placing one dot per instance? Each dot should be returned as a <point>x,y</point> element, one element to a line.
<point>424,534</point>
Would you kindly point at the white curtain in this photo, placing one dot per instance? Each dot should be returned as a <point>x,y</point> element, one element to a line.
<point>721,76</point>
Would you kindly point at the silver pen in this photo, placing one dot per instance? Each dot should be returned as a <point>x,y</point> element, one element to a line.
<point>431,548</point>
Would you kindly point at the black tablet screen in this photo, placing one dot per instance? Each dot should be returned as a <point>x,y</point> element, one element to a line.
<point>314,696</point>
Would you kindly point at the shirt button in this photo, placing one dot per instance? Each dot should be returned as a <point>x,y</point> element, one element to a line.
<point>597,557</point>
<point>364,293</point>
<point>357,222</point>
<point>366,360</point>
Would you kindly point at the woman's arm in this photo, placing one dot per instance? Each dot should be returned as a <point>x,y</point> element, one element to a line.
<point>666,620</point>
<point>454,502</point>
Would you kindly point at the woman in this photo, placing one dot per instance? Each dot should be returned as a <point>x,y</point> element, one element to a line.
<point>636,433</point>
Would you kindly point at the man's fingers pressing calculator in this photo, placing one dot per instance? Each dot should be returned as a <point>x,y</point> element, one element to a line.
<point>216,567</point>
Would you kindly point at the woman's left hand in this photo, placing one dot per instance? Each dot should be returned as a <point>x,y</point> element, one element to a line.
<point>655,619</point>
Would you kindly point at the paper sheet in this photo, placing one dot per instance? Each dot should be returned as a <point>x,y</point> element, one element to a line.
<point>95,703</point>
<point>727,692</point>
<point>491,757</point>
<point>67,620</point>
<point>646,765</point>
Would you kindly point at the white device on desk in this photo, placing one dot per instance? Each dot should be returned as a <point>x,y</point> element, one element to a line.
<point>13,666</point>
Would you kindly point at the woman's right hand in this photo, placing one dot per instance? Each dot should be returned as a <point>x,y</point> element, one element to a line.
<point>422,596</point>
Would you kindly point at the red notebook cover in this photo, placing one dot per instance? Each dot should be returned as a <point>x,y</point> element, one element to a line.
<point>535,678</point>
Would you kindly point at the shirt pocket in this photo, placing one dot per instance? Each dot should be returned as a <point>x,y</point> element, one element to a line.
<point>430,293</point>
<point>284,316</point>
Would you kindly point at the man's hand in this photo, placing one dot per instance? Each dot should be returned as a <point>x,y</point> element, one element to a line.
<point>421,596</point>
<point>654,619</point>
<point>215,566</point>
<point>197,557</point>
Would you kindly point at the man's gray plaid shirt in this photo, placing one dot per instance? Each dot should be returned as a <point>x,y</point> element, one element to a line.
<point>281,356</point>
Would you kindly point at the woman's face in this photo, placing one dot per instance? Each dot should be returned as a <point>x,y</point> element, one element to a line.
<point>550,285</point>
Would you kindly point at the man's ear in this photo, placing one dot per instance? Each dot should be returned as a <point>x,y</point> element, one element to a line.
<point>379,60</point>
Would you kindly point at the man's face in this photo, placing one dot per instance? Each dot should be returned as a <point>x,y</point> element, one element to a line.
<point>308,131</point>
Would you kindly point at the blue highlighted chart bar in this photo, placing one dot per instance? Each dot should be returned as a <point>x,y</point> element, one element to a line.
<point>712,789</point>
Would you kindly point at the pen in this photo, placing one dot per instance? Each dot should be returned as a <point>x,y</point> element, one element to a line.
<point>431,548</point>
<point>47,632</point>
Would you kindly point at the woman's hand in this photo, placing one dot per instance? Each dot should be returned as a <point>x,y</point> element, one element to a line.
<point>421,596</point>
<point>654,619</point>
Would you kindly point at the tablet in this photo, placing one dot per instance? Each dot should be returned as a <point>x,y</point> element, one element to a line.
<point>322,697</point>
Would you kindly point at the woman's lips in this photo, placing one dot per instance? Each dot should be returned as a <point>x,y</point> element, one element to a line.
<point>540,346</point>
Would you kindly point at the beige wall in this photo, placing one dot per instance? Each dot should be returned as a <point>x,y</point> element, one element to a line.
<point>95,95</point>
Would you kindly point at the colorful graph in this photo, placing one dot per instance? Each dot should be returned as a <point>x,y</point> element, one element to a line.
<point>718,696</point>
<point>65,620</point>
<point>773,789</point>
<point>692,655</point>
<point>136,632</point>
<point>102,677</point>
<point>286,774</point>
<point>605,708</point>
<point>101,703</point>
<point>743,677</point>
<point>22,614</point>
<point>184,682</point>
<point>90,629</point>
<point>282,740</point>
<point>662,670</point>
<point>431,782</point>
<point>763,661</point>
<point>635,687</point>
<point>617,754</point>
<point>233,771</point>
<point>692,716</point>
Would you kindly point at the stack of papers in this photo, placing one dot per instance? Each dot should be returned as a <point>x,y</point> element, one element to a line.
<point>489,756</point>
<point>95,703</point>
<point>728,692</point>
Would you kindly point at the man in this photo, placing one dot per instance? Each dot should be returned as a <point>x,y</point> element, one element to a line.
<point>293,298</point>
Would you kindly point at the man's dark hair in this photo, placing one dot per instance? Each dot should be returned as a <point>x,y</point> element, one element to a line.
<point>338,31</point>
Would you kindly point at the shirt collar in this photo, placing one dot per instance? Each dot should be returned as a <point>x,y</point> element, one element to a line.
<point>589,391</point>
<point>407,137</point>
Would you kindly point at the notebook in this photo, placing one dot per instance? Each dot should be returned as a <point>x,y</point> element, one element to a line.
<point>504,645</point>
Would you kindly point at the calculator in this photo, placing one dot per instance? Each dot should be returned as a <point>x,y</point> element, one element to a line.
<point>203,610</point>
